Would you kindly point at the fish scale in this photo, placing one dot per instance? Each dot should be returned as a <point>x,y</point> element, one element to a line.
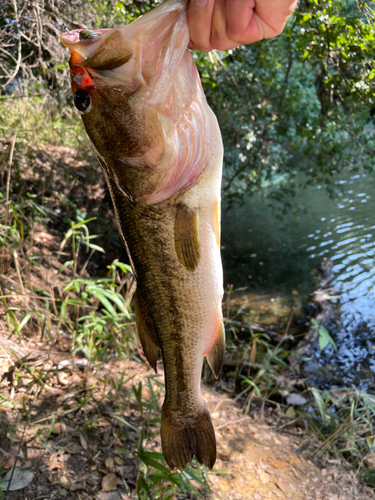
<point>160,148</point>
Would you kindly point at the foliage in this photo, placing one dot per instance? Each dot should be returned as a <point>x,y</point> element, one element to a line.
<point>272,361</point>
<point>155,479</point>
<point>302,101</point>
<point>324,337</point>
<point>3,485</point>
<point>30,37</point>
<point>344,420</point>
<point>92,310</point>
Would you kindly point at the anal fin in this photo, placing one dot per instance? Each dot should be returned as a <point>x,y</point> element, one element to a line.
<point>186,237</point>
<point>146,331</point>
<point>216,355</point>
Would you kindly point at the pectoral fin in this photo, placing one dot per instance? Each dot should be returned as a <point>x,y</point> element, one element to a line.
<point>112,53</point>
<point>146,331</point>
<point>186,237</point>
<point>216,356</point>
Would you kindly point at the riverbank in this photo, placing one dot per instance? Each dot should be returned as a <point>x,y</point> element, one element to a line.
<point>64,291</point>
<point>92,431</point>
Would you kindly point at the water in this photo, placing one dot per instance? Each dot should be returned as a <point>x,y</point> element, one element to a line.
<point>278,256</point>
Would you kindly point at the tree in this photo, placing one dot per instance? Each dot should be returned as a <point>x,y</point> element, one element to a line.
<point>299,102</point>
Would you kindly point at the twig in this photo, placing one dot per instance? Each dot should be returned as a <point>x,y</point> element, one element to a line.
<point>12,146</point>
<point>249,326</point>
<point>286,331</point>
<point>223,400</point>
<point>288,423</point>
<point>17,456</point>
<point>87,261</point>
<point>231,422</point>
<point>15,255</point>
<point>232,78</point>
<point>19,56</point>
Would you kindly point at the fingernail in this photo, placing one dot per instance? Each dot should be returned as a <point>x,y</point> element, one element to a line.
<point>200,3</point>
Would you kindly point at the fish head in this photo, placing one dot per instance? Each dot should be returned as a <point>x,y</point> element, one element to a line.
<point>134,86</point>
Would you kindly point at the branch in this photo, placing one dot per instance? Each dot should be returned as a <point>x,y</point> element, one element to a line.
<point>19,58</point>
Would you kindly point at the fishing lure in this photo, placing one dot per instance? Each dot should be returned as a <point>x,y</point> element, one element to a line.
<point>84,34</point>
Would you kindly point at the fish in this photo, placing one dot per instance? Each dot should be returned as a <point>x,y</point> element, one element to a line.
<point>159,145</point>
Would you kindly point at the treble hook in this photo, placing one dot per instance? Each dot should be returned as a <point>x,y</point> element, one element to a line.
<point>65,27</point>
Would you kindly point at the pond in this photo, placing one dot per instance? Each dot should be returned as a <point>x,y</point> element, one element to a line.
<point>276,257</point>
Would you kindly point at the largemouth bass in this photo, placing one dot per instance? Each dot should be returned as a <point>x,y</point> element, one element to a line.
<point>160,149</point>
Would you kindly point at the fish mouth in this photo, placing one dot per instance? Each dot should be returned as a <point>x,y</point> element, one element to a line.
<point>81,37</point>
<point>108,49</point>
<point>100,50</point>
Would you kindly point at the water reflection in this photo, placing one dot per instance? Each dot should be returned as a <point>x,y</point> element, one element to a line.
<point>277,256</point>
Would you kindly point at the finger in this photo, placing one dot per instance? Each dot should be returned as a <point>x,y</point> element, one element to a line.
<point>199,18</point>
<point>219,37</point>
<point>250,21</point>
<point>242,24</point>
<point>273,15</point>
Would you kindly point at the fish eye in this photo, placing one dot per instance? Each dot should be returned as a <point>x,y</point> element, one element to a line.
<point>87,35</point>
<point>82,101</point>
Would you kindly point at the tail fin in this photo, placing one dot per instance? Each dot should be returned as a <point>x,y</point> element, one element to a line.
<point>183,438</point>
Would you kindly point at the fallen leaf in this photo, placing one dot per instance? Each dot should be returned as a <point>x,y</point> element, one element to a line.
<point>78,487</point>
<point>8,464</point>
<point>15,437</point>
<point>63,492</point>
<point>64,481</point>
<point>290,412</point>
<point>146,393</point>
<point>119,460</point>
<point>92,463</point>
<point>57,428</point>
<point>109,482</point>
<point>74,448</point>
<point>281,485</point>
<point>109,462</point>
<point>83,442</point>
<point>370,460</point>
<point>113,495</point>
<point>21,479</point>
<point>62,378</point>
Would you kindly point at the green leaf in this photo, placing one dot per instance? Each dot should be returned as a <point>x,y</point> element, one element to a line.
<point>142,485</point>
<point>319,401</point>
<point>96,247</point>
<point>149,461</point>
<point>324,337</point>
<point>123,421</point>
<point>98,293</point>
<point>124,267</point>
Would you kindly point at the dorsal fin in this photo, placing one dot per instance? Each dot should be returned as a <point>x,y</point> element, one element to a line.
<point>216,356</point>
<point>186,237</point>
<point>146,331</point>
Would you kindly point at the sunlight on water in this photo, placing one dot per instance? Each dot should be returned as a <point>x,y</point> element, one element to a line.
<point>278,255</point>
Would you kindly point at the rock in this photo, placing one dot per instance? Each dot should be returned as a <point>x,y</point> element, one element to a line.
<point>296,399</point>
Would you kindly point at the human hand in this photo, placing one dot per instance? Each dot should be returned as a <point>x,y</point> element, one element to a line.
<point>226,24</point>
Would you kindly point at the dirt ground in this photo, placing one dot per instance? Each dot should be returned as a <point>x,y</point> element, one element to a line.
<point>71,442</point>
